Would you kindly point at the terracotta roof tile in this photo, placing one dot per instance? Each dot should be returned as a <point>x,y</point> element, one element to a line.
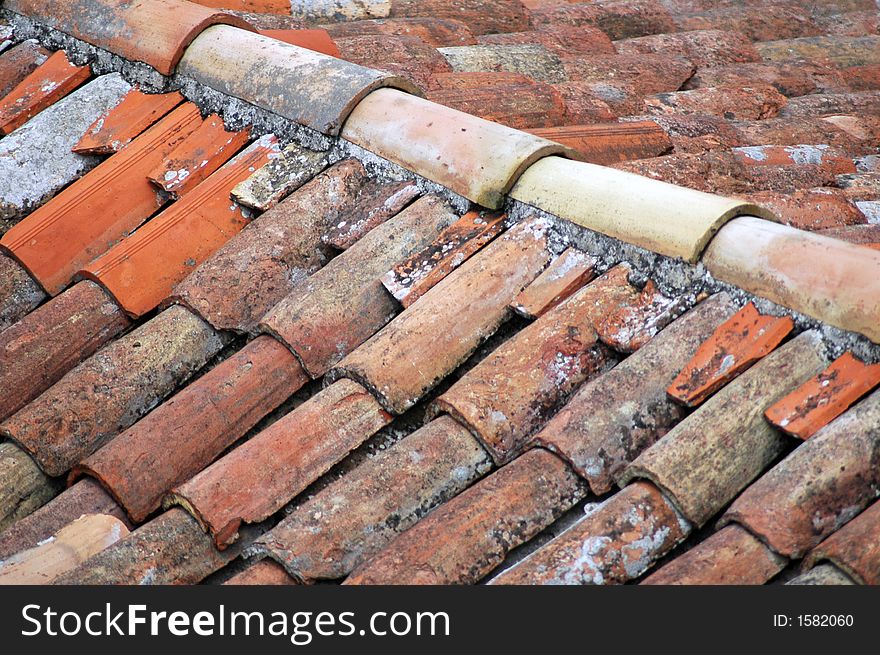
<point>19,62</point>
<point>116,127</point>
<point>286,172</point>
<point>849,135</point>
<point>827,104</point>
<point>112,389</point>
<point>619,20</point>
<point>314,39</point>
<point>281,78</point>
<point>533,60</point>
<point>481,16</point>
<point>259,477</point>
<point>152,31</point>
<point>489,156</point>
<point>334,311</point>
<point>50,82</point>
<point>611,142</point>
<point>407,56</point>
<point>23,486</point>
<point>820,486</point>
<point>696,133</point>
<point>836,162</point>
<point>810,209</point>
<point>69,547</point>
<point>739,342</point>
<point>752,102</point>
<point>855,548</point>
<point>142,269</point>
<point>824,397</point>
<point>794,79</point>
<point>339,10</point>
<point>411,279</point>
<point>340,527</point>
<point>19,292</point>
<point>85,497</point>
<point>649,73</point>
<point>206,418</point>
<point>468,536</point>
<point>434,31</point>
<point>198,156</point>
<point>620,539</point>
<point>36,161</point>
<point>563,277</point>
<point>865,235</point>
<point>431,338</point>
<point>171,550</point>
<point>861,78</point>
<point>824,574</point>
<point>561,39</point>
<point>766,22</point>
<point>519,105</point>
<point>264,572</point>
<point>839,50</point>
<point>611,419</point>
<point>635,324</point>
<point>38,350</point>
<point>731,556</point>
<point>583,105</point>
<point>512,392</point>
<point>91,215</point>
<point>260,265</point>
<point>740,445</point>
<point>375,204</point>
<point>853,23</point>
<point>770,259</point>
<point>701,47</point>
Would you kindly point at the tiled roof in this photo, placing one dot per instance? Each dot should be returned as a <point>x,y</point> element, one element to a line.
<point>439,292</point>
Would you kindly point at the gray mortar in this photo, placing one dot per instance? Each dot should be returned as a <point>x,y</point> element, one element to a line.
<point>673,277</point>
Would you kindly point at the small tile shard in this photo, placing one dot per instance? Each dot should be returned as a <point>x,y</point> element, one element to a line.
<point>738,343</point>
<point>565,275</point>
<point>825,397</point>
<point>633,326</point>
<point>411,279</point>
<point>284,174</point>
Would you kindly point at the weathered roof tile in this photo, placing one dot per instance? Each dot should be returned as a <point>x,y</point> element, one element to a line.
<point>701,47</point>
<point>610,143</point>
<point>481,16</point>
<point>407,56</point>
<point>311,39</point>
<point>434,31</point>
<point>18,62</point>
<point>635,324</point>
<point>533,60</point>
<point>561,39</point>
<point>619,20</point>
<point>286,172</point>
<point>810,209</point>
<point>766,22</point>
<point>839,50</point>
<point>753,102</point>
<point>855,548</point>
<point>563,277</point>
<point>648,73</point>
<point>19,292</point>
<point>375,204</point>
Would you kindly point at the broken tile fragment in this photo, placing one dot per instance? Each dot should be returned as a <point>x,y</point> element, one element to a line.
<point>411,279</point>
<point>258,478</point>
<point>410,355</point>
<point>84,497</point>
<point>613,418</point>
<point>204,151</point>
<point>41,348</point>
<point>141,270</point>
<point>18,62</point>
<point>564,276</point>
<point>206,418</point>
<point>345,524</point>
<point>287,171</point>
<point>822,484</point>
<point>740,445</point>
<point>111,390</point>
<point>731,556</point>
<point>334,311</point>
<point>738,343</point>
<point>610,143</point>
<point>119,125</point>
<point>854,548</point>
<point>48,83</point>
<point>63,551</point>
<point>260,265</point>
<point>825,397</point>
<point>613,544</point>
<point>92,214</point>
<point>634,325</point>
<point>823,574</point>
<point>375,204</point>
<point>317,40</point>
<point>36,161</point>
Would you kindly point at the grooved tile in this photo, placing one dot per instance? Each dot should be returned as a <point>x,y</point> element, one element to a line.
<point>610,143</point>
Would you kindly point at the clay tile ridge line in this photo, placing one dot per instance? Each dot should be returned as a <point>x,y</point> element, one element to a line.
<point>156,32</point>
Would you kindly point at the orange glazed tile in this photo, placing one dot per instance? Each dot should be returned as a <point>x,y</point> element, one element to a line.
<point>200,154</point>
<point>611,143</point>
<point>565,275</point>
<point>739,342</point>
<point>53,80</point>
<point>825,397</point>
<point>92,214</point>
<point>135,113</point>
<point>317,40</point>
<point>142,270</point>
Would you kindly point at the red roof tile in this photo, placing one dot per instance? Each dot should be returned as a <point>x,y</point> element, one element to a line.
<point>810,209</point>
<point>407,56</point>
<point>701,47</point>
<point>49,82</point>
<point>619,20</point>
<point>855,548</point>
<point>753,102</point>
<point>520,105</point>
<point>18,62</point>
<point>765,22</point>
<point>611,142</point>
<point>375,204</point>
<point>117,127</point>
<point>563,277</point>
<point>648,73</point>
<point>865,235</point>
<point>739,342</point>
<point>583,106</point>
<point>317,40</point>
<point>434,31</point>
<point>561,39</point>
<point>635,324</point>
<point>825,397</point>
<point>481,16</point>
